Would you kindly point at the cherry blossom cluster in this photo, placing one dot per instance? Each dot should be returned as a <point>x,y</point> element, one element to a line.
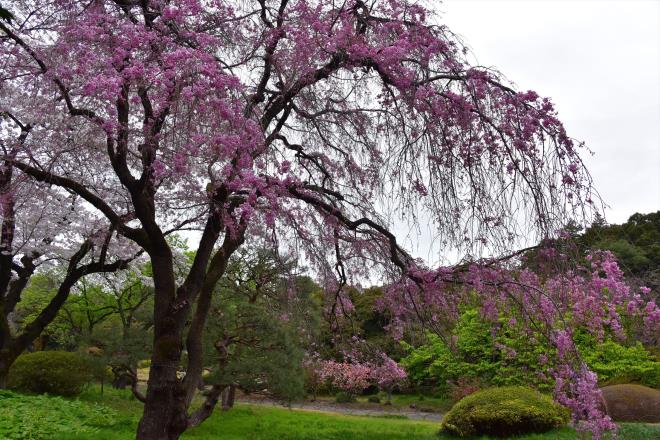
<point>346,376</point>
<point>353,376</point>
<point>388,374</point>
<point>577,389</point>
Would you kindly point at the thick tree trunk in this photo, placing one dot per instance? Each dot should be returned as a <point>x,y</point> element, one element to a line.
<point>7,357</point>
<point>165,415</point>
<point>4,373</point>
<point>228,398</point>
<point>168,398</point>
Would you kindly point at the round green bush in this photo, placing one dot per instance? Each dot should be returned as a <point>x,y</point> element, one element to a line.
<point>504,411</point>
<point>343,397</point>
<point>53,372</point>
<point>373,399</point>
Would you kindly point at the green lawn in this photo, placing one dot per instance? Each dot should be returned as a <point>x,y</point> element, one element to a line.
<point>403,401</point>
<point>257,423</point>
<point>247,422</point>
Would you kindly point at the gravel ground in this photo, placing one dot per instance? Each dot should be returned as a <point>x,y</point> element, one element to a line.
<point>348,409</point>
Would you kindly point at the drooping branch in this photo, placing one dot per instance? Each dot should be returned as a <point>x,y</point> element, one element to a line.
<point>396,253</point>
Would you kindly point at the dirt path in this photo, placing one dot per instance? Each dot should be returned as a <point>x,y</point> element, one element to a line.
<point>348,409</point>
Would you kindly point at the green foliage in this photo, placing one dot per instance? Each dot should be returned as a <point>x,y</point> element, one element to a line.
<point>43,417</point>
<point>373,399</point>
<point>34,298</point>
<point>262,319</point>
<point>53,372</point>
<point>279,369</point>
<point>475,354</point>
<point>616,363</point>
<point>343,397</point>
<point>503,412</point>
<point>636,243</point>
<point>98,369</point>
<point>114,314</point>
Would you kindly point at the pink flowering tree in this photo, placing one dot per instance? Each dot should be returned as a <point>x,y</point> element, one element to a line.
<point>297,121</point>
<point>349,376</point>
<point>388,375</point>
<point>43,229</point>
<point>354,376</point>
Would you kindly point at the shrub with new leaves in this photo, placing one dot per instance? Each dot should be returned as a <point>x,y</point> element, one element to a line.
<point>504,411</point>
<point>53,372</point>
<point>345,397</point>
<point>616,363</point>
<point>46,417</point>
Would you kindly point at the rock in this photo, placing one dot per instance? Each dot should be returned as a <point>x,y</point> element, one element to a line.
<point>632,403</point>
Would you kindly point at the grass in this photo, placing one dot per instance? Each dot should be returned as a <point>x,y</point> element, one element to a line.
<point>248,422</point>
<point>400,401</point>
<point>259,423</point>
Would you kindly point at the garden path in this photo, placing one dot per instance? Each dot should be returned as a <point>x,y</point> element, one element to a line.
<point>355,409</point>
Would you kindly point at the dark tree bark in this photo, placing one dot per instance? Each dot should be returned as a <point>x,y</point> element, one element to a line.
<point>206,410</point>
<point>228,398</point>
<point>168,397</point>
<point>7,358</point>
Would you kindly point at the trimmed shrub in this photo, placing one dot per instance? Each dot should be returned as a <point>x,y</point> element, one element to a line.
<point>343,397</point>
<point>53,372</point>
<point>504,411</point>
<point>632,403</point>
<point>373,399</point>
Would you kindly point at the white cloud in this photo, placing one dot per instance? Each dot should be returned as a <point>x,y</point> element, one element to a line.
<point>600,63</point>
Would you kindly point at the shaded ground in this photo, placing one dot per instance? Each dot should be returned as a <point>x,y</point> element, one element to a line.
<point>402,408</point>
<point>353,409</point>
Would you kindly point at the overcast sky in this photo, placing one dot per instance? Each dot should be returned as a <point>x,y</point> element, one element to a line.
<point>599,61</point>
